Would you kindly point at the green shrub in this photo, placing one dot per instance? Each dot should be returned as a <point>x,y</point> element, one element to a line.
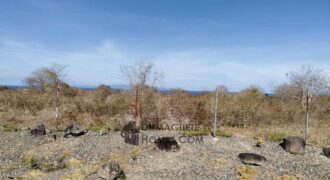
<point>58,164</point>
<point>10,128</point>
<point>224,134</point>
<point>122,175</point>
<point>32,163</point>
<point>277,137</point>
<point>2,88</point>
<point>117,128</point>
<point>95,129</point>
<point>196,133</point>
<point>260,141</point>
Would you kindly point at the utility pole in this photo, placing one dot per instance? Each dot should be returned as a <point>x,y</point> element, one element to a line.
<point>215,112</point>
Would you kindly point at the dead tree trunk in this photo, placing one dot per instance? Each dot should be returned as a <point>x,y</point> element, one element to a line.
<point>215,113</point>
<point>136,114</point>
<point>307,115</point>
<point>57,104</point>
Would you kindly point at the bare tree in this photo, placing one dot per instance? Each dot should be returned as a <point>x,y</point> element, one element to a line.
<point>286,92</point>
<point>43,78</point>
<point>141,75</point>
<point>39,80</point>
<point>57,73</point>
<point>220,91</point>
<point>311,81</point>
<point>47,77</point>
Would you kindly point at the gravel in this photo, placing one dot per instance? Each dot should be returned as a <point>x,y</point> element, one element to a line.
<point>210,159</point>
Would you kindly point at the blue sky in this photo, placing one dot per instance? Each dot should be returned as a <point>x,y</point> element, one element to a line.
<point>198,44</point>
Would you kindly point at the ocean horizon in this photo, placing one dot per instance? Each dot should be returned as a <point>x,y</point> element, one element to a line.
<point>127,87</point>
<point>116,88</point>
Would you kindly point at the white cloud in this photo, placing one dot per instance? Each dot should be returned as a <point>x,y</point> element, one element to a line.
<point>88,66</point>
<point>196,69</point>
<point>236,67</point>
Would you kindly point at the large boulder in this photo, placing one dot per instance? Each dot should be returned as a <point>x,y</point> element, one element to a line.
<point>252,159</point>
<point>294,145</point>
<point>40,130</point>
<point>74,130</point>
<point>110,171</point>
<point>130,133</point>
<point>130,127</point>
<point>326,152</point>
<point>167,144</point>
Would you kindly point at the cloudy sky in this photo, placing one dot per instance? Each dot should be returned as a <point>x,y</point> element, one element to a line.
<point>198,44</point>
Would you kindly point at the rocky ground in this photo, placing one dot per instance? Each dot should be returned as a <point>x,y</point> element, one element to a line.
<point>23,156</point>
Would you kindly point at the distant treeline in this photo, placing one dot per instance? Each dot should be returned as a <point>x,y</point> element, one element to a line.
<point>106,107</point>
<point>124,88</point>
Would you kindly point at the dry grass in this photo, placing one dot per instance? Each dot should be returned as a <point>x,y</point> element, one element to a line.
<point>140,150</point>
<point>36,174</point>
<point>76,163</point>
<point>287,177</point>
<point>92,169</point>
<point>319,136</point>
<point>120,158</point>
<point>77,174</point>
<point>247,173</point>
<point>249,111</point>
<point>216,163</point>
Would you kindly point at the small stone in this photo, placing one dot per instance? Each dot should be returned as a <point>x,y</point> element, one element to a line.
<point>110,171</point>
<point>103,132</point>
<point>252,159</point>
<point>167,144</point>
<point>326,152</point>
<point>40,130</point>
<point>74,130</point>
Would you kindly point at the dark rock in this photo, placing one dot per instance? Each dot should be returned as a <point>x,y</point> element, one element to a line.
<point>132,138</point>
<point>326,152</point>
<point>130,127</point>
<point>251,158</point>
<point>167,144</point>
<point>130,133</point>
<point>40,130</point>
<point>74,130</point>
<point>294,145</point>
<point>110,171</point>
<point>258,145</point>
